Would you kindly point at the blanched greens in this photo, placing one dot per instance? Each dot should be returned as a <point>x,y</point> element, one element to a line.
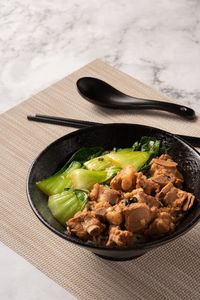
<point>59,181</point>
<point>85,179</point>
<point>63,206</point>
<point>83,155</point>
<point>120,159</point>
<point>151,145</point>
<point>88,166</point>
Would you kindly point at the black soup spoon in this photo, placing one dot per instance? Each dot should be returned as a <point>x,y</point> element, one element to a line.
<point>101,93</point>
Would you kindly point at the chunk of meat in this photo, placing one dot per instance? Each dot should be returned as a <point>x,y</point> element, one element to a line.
<point>166,161</point>
<point>75,226</point>
<point>93,205</point>
<point>142,197</point>
<point>175,198</point>
<point>114,215</point>
<point>149,186</point>
<point>164,170</point>
<point>119,238</point>
<point>184,201</point>
<point>162,179</point>
<point>85,225</point>
<point>161,225</point>
<point>100,214</point>
<point>94,194</point>
<point>168,194</point>
<point>101,193</point>
<point>137,217</point>
<point>125,180</point>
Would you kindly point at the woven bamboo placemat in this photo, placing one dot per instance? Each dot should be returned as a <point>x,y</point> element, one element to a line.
<point>169,272</point>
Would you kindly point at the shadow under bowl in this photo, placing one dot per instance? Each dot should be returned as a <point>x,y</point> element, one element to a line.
<point>53,157</point>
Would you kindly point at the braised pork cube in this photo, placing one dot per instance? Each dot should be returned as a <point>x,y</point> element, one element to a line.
<point>137,217</point>
<point>161,225</point>
<point>119,238</point>
<point>149,186</point>
<point>168,194</point>
<point>125,180</point>
<point>175,198</point>
<point>140,196</point>
<point>102,193</point>
<point>114,215</point>
<point>85,225</point>
<point>100,213</point>
<point>184,201</point>
<point>164,170</point>
<point>93,205</point>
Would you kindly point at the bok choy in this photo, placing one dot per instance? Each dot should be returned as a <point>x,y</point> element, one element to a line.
<point>63,206</point>
<point>59,181</point>
<point>120,158</point>
<point>85,179</point>
<point>151,145</point>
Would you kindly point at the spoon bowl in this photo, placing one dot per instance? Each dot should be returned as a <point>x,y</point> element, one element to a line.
<point>100,93</point>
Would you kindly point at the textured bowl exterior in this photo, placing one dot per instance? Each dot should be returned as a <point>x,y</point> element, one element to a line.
<point>52,158</point>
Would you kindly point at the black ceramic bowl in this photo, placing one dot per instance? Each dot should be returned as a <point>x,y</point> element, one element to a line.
<point>54,156</point>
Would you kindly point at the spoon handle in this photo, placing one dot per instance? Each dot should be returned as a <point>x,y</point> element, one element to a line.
<point>138,103</point>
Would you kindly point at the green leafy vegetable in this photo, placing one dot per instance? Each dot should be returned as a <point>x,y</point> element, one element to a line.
<point>120,158</point>
<point>59,181</point>
<point>125,157</point>
<point>150,144</point>
<point>83,155</point>
<point>99,163</point>
<point>63,206</point>
<point>85,179</point>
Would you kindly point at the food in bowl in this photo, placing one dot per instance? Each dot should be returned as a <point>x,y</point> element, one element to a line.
<point>120,197</point>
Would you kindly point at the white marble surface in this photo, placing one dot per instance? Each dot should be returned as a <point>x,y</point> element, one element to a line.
<point>42,41</point>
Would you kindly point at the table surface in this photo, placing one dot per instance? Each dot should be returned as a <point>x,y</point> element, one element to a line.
<point>43,41</point>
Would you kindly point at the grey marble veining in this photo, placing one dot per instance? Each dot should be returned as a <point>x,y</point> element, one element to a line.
<point>42,41</point>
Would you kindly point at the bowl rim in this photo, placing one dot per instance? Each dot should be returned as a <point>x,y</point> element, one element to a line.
<point>141,246</point>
